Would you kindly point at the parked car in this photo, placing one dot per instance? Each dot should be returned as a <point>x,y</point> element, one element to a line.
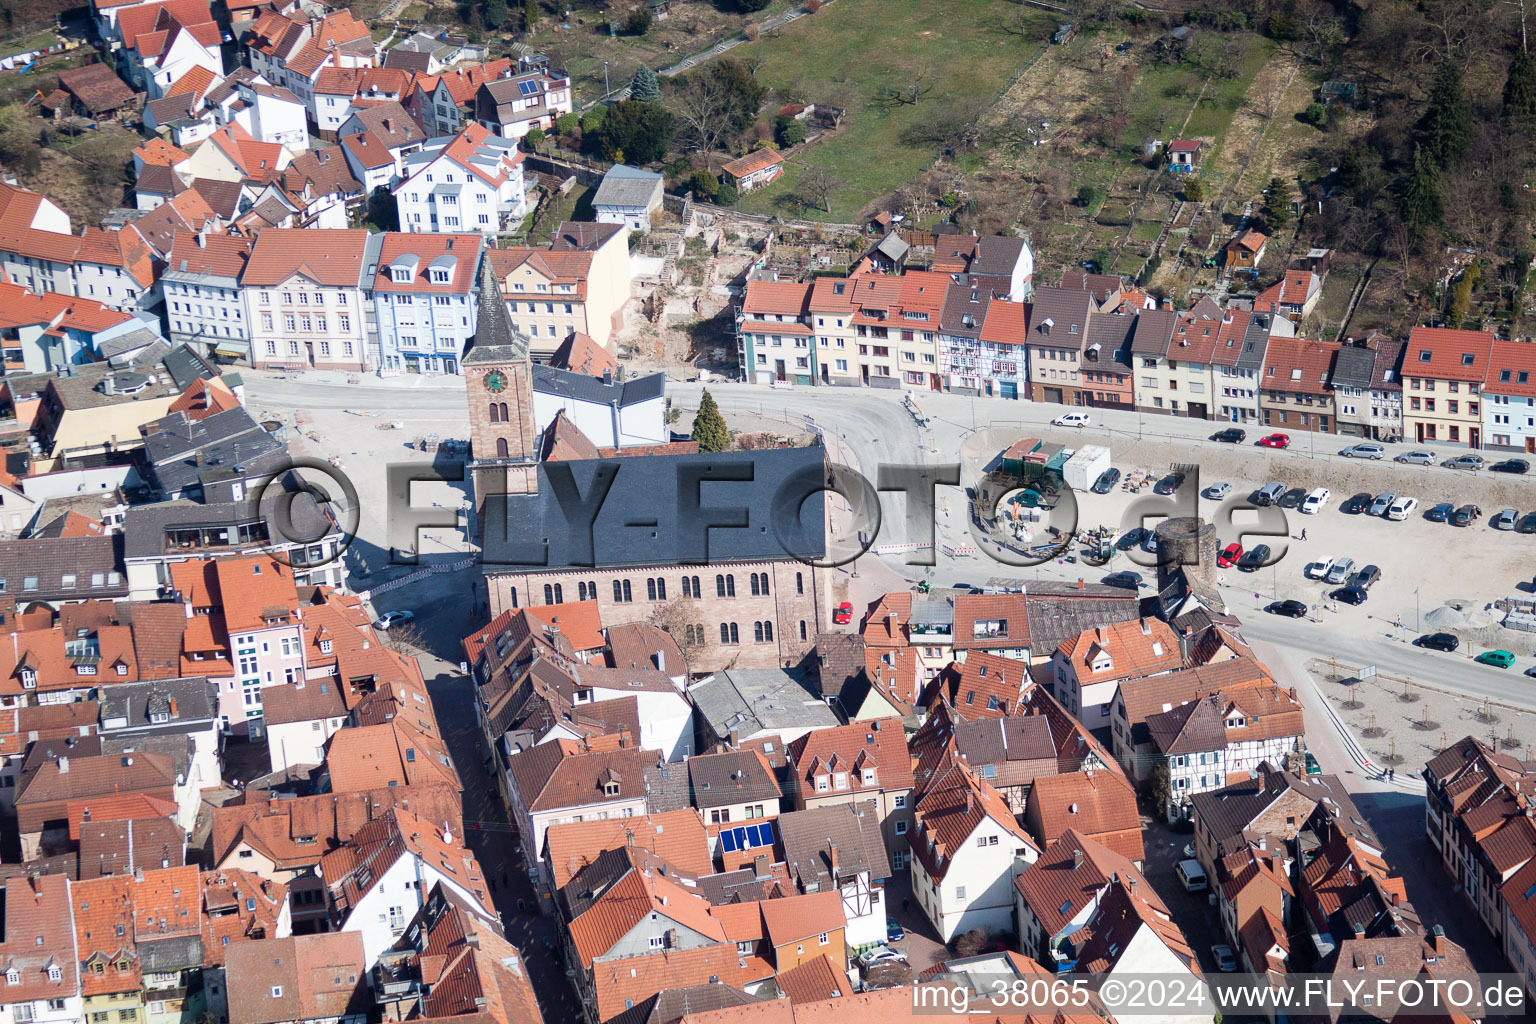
<point>1254,558</point>
<point>1498,659</point>
<point>842,614</point>
<point>1383,502</point>
<point>894,932</point>
<point>1416,458</point>
<point>1366,578</point>
<point>1447,642</point>
<point>1464,462</point>
<point>1505,520</point>
<point>1402,508</point>
<point>1071,419</point>
<point>1132,537</point>
<point>1356,504</point>
<point>1229,555</point>
<point>1440,512</point>
<point>883,955</point>
<point>1275,441</point>
<point>389,620</point>
<point>1218,491</point>
<point>1125,578</point>
<point>1466,515</point>
<point>1226,961</point>
<point>1269,494</point>
<point>1528,524</point>
<point>1350,595</point>
<point>1231,435</point>
<point>1169,483</point>
<point>1290,609</point>
<point>1341,571</point>
<point>1106,481</point>
<point>1293,498</point>
<point>1364,451</point>
<point>1519,466</point>
<point>1315,501</point>
<point>1318,568</point>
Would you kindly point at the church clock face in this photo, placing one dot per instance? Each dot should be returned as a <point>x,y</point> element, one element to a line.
<point>496,382</point>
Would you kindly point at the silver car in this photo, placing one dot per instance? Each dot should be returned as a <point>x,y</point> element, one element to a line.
<point>1383,502</point>
<point>1216,492</point>
<point>1363,451</point>
<point>1341,571</point>
<point>1506,519</point>
<point>1418,458</point>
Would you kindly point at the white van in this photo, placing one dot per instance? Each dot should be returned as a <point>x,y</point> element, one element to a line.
<point>1402,508</point>
<point>1192,876</point>
<point>1071,419</point>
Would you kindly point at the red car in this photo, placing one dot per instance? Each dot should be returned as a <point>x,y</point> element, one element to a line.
<point>1275,441</point>
<point>842,614</point>
<point>1229,555</point>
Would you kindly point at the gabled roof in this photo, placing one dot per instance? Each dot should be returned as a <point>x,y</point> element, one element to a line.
<point>351,871</point>
<point>330,258</point>
<point>305,977</point>
<point>627,886</point>
<point>853,749</point>
<point>1099,804</point>
<point>757,160</point>
<point>1070,875</point>
<point>1124,911</point>
<point>734,777</point>
<point>809,837</point>
<point>1138,648</point>
<point>558,774</point>
<point>950,804</point>
<point>1299,366</point>
<point>676,837</point>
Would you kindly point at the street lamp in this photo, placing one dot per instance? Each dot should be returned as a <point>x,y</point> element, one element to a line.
<point>1416,626</point>
<point>605,80</point>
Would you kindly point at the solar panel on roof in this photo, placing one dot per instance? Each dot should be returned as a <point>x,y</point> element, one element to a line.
<point>527,88</point>
<point>730,841</point>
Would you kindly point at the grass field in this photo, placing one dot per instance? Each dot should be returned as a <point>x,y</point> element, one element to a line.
<point>849,50</point>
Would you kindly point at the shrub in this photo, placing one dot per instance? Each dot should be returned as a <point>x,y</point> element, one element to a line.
<point>752,30</point>
<point>812,6</point>
<point>751,6</point>
<point>535,138</point>
<point>703,185</point>
<point>789,131</point>
<point>727,195</point>
<point>1315,114</point>
<point>639,21</point>
<point>567,123</point>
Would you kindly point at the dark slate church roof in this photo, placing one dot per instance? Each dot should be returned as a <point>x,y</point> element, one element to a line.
<point>696,508</point>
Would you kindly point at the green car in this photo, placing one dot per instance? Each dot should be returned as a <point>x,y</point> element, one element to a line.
<point>1498,659</point>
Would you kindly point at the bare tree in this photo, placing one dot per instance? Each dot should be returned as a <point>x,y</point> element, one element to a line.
<point>704,109</point>
<point>683,620</point>
<point>917,83</point>
<point>816,186</point>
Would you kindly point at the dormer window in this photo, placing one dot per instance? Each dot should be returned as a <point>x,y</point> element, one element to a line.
<point>29,679</point>
<point>160,717</point>
<point>610,789</point>
<point>840,780</point>
<point>823,783</point>
<point>439,275</point>
<point>325,646</point>
<point>12,976</point>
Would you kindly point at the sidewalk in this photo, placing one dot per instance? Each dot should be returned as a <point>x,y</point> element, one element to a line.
<point>369,379</point>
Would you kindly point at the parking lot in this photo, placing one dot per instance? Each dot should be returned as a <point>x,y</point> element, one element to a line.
<point>1423,564</point>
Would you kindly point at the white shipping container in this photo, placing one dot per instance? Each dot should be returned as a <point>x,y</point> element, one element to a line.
<point>1085,467</point>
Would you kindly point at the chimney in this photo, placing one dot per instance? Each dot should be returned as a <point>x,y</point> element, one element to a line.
<point>760,866</point>
<point>63,766</point>
<point>1359,930</point>
<point>735,739</point>
<point>629,838</point>
<point>832,857</point>
<point>1437,940</point>
<point>1077,859</point>
<point>1080,584</point>
<point>970,801</point>
<point>173,707</point>
<point>1146,627</point>
<point>661,660</point>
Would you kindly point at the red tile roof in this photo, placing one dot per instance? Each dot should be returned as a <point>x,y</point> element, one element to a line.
<point>1138,648</point>
<point>330,258</point>
<point>879,746</point>
<point>786,298</point>
<point>1512,369</point>
<point>1100,805</point>
<point>1445,354</point>
<point>1070,875</point>
<point>1297,365</point>
<point>676,837</point>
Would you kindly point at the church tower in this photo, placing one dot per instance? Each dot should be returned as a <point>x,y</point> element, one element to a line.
<point>498,383</point>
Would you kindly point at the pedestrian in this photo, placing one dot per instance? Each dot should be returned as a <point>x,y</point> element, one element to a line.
<point>905,904</point>
<point>1303,533</point>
